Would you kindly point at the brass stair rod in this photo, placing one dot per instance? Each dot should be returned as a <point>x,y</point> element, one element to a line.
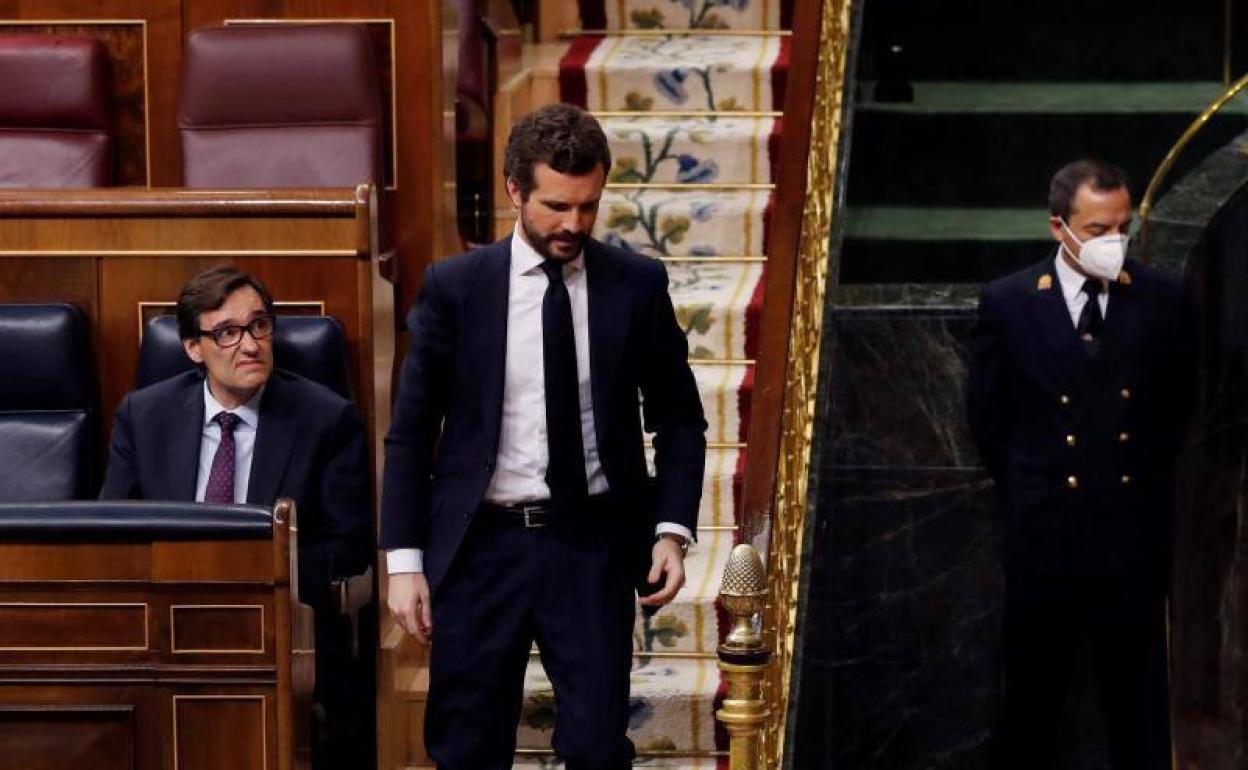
<point>744,659</point>
<point>1146,203</point>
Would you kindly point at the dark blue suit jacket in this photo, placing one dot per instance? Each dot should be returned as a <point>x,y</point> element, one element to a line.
<point>443,440</point>
<point>1083,448</point>
<point>309,447</point>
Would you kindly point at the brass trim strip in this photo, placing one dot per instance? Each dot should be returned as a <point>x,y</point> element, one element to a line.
<point>820,209</point>
<point>570,33</point>
<point>264,720</point>
<point>534,654</point>
<point>173,629</point>
<point>687,114</point>
<point>147,638</point>
<point>697,186</point>
<point>1146,203</point>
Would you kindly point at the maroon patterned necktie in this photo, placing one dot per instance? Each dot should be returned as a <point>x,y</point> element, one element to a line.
<point>221,478</point>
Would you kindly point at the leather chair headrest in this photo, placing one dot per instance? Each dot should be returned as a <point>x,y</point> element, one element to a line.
<point>53,82</point>
<point>280,74</point>
<point>131,521</point>
<point>47,355</point>
<point>312,346</point>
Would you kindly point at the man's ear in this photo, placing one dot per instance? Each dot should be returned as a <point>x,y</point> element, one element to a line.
<point>192,350</point>
<point>1056,229</point>
<point>513,192</point>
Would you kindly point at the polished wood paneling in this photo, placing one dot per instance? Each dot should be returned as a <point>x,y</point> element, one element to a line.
<point>76,703</point>
<point>68,625</point>
<point>216,628</point>
<point>212,732</point>
<point>99,737</point>
<point>75,561</point>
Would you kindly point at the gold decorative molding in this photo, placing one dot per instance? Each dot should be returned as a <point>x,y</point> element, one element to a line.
<point>788,522</point>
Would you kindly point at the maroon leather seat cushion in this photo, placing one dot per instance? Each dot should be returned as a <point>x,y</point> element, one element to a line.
<point>280,105</point>
<point>54,112</point>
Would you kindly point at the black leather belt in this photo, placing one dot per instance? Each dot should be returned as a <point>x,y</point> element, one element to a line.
<point>531,515</point>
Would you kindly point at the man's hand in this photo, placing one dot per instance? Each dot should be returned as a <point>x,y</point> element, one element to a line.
<point>408,597</point>
<point>670,561</point>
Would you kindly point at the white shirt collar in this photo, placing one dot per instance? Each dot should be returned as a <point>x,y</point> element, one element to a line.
<point>248,413</point>
<point>1071,279</point>
<point>525,259</point>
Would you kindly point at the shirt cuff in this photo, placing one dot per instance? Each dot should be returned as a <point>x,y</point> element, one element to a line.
<point>674,528</point>
<point>405,560</point>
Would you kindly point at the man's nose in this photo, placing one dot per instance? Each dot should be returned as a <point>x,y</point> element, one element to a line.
<point>249,344</point>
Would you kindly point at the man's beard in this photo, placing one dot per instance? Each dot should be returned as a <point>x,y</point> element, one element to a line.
<point>541,244</point>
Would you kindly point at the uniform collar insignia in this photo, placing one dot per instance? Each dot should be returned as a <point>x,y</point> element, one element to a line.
<point>1124,278</point>
<point>1046,282</point>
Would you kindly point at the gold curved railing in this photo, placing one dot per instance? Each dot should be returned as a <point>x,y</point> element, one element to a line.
<point>1146,203</point>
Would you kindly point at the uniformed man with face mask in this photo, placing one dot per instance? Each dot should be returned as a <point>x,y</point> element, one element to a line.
<point>1080,380</point>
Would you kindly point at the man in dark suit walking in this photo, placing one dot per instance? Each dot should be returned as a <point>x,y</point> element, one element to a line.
<point>1078,398</point>
<point>517,505</point>
<point>236,430</point>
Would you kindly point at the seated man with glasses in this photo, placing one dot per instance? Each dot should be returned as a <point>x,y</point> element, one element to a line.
<point>237,430</point>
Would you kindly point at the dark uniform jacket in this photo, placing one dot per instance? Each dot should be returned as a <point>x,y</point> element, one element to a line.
<point>1082,446</point>
<point>443,439</point>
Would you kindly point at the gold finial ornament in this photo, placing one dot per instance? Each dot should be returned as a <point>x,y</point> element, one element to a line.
<point>743,593</point>
<point>743,658</point>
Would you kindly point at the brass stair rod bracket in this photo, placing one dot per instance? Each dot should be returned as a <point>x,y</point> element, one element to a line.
<point>744,658</point>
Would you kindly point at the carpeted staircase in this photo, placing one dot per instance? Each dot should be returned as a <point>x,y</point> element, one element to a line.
<point>693,120</point>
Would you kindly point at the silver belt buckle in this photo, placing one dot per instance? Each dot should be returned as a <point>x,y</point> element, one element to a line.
<point>529,510</point>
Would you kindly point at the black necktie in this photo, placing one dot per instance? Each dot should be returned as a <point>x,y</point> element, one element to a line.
<point>565,473</point>
<point>1091,320</point>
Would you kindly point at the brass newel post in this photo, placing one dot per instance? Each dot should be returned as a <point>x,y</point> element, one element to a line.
<point>744,658</point>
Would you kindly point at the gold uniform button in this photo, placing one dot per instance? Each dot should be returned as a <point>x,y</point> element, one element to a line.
<point>1124,437</point>
<point>1126,393</point>
<point>1072,482</point>
<point>1070,439</point>
<point>1065,400</point>
<point>1126,479</point>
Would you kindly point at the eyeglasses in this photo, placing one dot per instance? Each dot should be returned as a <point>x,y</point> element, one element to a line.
<point>261,327</point>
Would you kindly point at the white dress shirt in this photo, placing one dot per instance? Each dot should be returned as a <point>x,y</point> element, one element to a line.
<point>244,442</point>
<point>1071,281</point>
<point>523,452</point>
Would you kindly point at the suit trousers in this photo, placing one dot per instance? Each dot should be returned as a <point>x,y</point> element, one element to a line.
<point>566,587</point>
<point>1049,618</point>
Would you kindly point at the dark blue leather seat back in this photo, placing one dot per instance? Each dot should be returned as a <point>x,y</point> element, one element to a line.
<point>47,404</point>
<point>312,346</point>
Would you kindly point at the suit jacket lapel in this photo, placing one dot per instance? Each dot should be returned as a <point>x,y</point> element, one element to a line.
<point>486,338</point>
<point>184,439</point>
<point>608,325</point>
<point>275,437</point>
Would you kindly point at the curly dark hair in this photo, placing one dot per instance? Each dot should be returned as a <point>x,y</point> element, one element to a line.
<point>562,136</point>
<point>1102,176</point>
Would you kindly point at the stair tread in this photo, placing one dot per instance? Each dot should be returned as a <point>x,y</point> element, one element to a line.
<point>666,150</point>
<point>685,222</point>
<point>672,705</point>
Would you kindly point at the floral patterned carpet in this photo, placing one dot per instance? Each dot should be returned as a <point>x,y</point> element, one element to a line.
<point>693,116</point>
